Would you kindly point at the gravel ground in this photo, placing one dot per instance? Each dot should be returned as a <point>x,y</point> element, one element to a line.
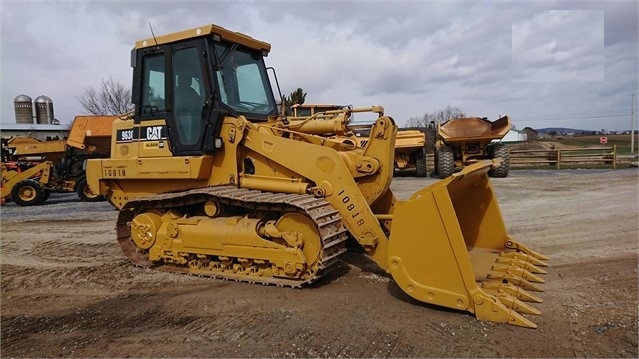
<point>67,291</point>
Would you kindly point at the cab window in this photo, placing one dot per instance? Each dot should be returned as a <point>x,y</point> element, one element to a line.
<point>188,94</point>
<point>153,79</point>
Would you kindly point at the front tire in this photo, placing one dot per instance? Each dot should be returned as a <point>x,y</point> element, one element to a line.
<point>27,193</point>
<point>46,195</point>
<point>420,166</point>
<point>445,162</point>
<point>82,189</point>
<point>500,150</point>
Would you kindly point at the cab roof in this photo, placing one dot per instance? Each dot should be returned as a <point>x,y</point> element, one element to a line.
<point>205,30</point>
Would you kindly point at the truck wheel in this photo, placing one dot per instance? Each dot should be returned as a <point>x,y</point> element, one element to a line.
<point>445,162</point>
<point>500,150</point>
<point>420,167</point>
<point>84,194</point>
<point>27,193</point>
<point>45,195</point>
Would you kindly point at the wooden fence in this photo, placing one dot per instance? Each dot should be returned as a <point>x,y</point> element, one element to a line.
<point>559,157</point>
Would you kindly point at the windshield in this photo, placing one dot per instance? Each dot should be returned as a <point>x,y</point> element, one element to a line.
<point>242,81</point>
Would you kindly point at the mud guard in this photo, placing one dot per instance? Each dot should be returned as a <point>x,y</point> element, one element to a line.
<point>460,255</point>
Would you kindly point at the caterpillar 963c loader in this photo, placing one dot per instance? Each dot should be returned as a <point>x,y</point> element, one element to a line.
<point>208,180</point>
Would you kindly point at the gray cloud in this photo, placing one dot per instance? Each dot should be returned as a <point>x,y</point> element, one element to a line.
<point>409,56</point>
<point>559,45</point>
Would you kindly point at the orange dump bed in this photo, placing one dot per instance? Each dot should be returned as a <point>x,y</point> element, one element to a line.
<point>474,128</point>
<point>91,131</point>
<point>410,138</point>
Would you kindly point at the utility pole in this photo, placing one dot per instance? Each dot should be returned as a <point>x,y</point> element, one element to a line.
<point>632,126</point>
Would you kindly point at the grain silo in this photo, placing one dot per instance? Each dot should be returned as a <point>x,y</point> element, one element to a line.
<point>23,106</point>
<point>44,110</point>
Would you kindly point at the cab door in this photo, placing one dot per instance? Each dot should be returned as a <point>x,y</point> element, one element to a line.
<point>171,104</point>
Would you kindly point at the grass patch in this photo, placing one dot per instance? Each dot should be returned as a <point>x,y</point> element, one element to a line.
<point>621,141</point>
<point>564,166</point>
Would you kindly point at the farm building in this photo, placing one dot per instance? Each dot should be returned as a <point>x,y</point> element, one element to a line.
<point>514,135</point>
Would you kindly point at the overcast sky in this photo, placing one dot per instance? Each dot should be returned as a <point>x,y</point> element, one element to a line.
<point>544,63</point>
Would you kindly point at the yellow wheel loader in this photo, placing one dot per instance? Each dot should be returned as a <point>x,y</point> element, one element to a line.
<point>210,181</point>
<point>32,169</point>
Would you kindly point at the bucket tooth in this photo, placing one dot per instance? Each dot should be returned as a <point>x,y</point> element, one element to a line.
<point>519,293</point>
<point>518,271</point>
<point>516,304</point>
<point>520,263</point>
<point>522,248</point>
<point>490,307</point>
<point>515,280</point>
<point>524,257</point>
<point>520,320</point>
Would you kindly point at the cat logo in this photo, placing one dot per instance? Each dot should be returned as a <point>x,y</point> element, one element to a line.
<point>154,133</point>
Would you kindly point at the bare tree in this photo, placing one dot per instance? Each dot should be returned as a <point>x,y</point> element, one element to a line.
<point>111,98</point>
<point>449,113</point>
<point>442,115</point>
<point>415,122</point>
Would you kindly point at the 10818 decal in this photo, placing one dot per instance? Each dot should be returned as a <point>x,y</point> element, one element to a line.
<point>115,172</point>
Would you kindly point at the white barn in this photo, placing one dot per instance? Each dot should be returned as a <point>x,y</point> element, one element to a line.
<point>514,135</point>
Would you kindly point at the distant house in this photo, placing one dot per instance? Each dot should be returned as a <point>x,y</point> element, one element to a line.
<point>531,134</point>
<point>514,135</point>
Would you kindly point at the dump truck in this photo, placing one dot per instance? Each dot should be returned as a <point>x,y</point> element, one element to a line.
<point>410,155</point>
<point>33,169</point>
<point>209,180</point>
<point>463,141</point>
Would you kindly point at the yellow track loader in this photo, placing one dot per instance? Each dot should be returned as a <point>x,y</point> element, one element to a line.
<point>209,180</point>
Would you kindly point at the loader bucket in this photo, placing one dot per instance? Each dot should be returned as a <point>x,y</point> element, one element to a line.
<point>448,246</point>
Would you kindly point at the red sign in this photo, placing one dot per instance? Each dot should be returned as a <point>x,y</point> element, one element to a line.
<point>603,140</point>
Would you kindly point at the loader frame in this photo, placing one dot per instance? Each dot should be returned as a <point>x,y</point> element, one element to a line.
<point>211,181</point>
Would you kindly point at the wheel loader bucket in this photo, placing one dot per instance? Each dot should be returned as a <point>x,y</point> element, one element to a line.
<point>449,247</point>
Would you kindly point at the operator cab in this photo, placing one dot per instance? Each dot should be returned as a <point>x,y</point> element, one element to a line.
<point>192,79</point>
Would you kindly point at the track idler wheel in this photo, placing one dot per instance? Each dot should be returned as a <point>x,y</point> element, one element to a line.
<point>296,232</point>
<point>299,230</point>
<point>144,228</point>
